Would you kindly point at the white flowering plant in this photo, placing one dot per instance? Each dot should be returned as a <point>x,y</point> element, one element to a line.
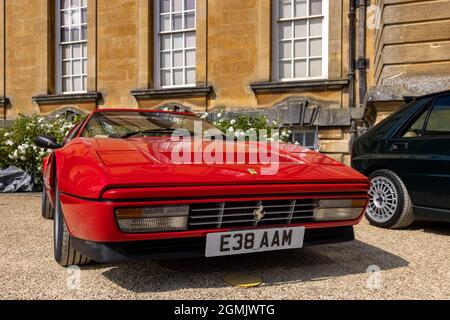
<point>17,146</point>
<point>250,126</point>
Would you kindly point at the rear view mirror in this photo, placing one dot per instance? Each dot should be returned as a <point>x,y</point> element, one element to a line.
<point>47,142</point>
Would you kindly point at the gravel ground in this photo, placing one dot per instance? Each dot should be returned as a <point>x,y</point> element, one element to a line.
<point>413,264</point>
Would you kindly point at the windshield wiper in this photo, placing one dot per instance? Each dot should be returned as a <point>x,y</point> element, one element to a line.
<point>134,133</point>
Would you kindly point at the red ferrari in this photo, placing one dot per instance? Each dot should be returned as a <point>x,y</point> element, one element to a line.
<point>117,190</point>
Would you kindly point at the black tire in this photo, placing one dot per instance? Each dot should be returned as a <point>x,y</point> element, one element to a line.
<point>47,210</point>
<point>65,255</point>
<point>396,200</point>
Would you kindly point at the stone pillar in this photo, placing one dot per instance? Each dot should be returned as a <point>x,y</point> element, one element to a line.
<point>264,36</point>
<point>145,44</point>
<point>2,50</point>
<point>202,42</point>
<point>46,56</point>
<point>92,46</point>
<point>3,102</point>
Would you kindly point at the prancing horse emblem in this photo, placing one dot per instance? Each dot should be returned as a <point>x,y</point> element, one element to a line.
<point>259,213</point>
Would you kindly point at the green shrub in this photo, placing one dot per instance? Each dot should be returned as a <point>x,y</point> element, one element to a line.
<point>245,124</point>
<point>17,147</point>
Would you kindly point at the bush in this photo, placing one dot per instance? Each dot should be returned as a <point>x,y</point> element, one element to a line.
<point>251,126</point>
<point>17,147</point>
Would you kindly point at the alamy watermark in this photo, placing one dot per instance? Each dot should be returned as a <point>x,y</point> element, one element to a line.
<point>73,280</point>
<point>374,279</point>
<point>261,148</point>
<point>374,17</point>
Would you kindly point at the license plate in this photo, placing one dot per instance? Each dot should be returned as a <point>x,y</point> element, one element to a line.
<point>249,241</point>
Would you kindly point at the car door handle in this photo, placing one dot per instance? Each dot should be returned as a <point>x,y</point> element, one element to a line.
<point>400,146</point>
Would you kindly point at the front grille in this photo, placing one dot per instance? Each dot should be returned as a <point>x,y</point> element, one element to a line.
<point>242,213</point>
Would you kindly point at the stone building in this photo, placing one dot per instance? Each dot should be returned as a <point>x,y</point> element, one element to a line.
<point>409,49</point>
<point>304,62</point>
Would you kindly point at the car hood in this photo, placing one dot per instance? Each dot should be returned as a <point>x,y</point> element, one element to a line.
<point>162,161</point>
<point>89,166</point>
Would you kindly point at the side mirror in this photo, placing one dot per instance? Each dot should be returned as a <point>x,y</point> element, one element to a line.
<point>47,142</point>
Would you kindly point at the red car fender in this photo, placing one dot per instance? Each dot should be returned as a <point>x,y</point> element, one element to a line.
<point>77,167</point>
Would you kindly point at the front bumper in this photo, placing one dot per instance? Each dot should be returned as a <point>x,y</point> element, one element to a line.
<point>94,220</point>
<point>186,247</point>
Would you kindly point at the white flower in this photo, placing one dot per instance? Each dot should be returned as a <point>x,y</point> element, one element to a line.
<point>219,115</point>
<point>23,158</point>
<point>9,143</point>
<point>232,122</point>
<point>11,156</point>
<point>242,134</point>
<point>7,134</point>
<point>231,129</point>
<point>40,120</point>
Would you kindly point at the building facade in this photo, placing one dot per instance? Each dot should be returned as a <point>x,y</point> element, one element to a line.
<point>315,65</point>
<point>410,53</point>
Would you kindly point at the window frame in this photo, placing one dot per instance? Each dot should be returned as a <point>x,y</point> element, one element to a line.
<point>276,42</point>
<point>73,133</point>
<point>58,51</point>
<point>157,46</point>
<point>430,111</point>
<point>427,109</point>
<point>304,130</point>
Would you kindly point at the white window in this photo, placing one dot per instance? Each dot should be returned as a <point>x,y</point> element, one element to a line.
<point>300,34</point>
<point>71,46</point>
<point>175,43</point>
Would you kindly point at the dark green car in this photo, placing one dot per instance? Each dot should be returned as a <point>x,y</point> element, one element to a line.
<point>407,158</point>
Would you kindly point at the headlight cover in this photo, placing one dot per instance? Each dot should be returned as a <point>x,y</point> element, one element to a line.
<point>153,219</point>
<point>339,209</point>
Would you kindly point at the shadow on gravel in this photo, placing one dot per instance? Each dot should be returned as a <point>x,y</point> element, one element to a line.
<point>435,227</point>
<point>309,264</point>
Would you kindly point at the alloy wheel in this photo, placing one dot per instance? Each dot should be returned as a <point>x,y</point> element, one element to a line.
<point>383,199</point>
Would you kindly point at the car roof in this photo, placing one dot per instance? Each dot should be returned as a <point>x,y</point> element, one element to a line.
<point>142,110</point>
<point>428,95</point>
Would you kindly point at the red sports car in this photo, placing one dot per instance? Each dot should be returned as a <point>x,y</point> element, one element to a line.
<point>117,190</point>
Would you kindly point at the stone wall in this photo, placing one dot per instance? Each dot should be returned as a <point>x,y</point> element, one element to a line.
<point>411,51</point>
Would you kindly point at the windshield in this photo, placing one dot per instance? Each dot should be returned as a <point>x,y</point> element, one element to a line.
<point>127,124</point>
